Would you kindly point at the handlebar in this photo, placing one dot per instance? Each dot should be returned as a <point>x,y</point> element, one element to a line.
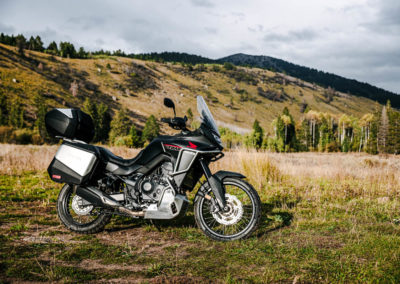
<point>166,119</point>
<point>177,123</point>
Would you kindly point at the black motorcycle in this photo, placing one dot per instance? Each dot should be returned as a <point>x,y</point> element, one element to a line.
<point>153,185</point>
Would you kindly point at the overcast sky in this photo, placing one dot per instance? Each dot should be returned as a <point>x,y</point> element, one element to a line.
<point>357,39</point>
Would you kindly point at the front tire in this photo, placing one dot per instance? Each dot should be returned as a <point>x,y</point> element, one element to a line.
<point>93,222</point>
<point>239,222</point>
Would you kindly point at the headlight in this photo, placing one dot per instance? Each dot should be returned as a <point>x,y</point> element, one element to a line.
<point>217,138</point>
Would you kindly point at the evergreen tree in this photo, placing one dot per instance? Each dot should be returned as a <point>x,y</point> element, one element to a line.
<point>90,108</point>
<point>255,138</point>
<point>67,50</point>
<point>151,129</point>
<point>82,53</point>
<point>21,44</point>
<point>31,43</point>
<point>289,137</point>
<point>104,120</point>
<point>119,125</point>
<point>41,109</point>
<point>39,44</point>
<point>3,109</point>
<point>189,114</point>
<point>16,114</point>
<point>101,119</point>
<point>135,138</point>
<point>52,48</point>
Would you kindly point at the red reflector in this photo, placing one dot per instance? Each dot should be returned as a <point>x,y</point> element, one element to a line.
<point>56,176</point>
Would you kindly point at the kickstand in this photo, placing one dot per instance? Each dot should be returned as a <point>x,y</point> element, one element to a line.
<point>155,225</point>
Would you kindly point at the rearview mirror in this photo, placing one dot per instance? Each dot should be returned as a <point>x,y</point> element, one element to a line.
<point>169,103</point>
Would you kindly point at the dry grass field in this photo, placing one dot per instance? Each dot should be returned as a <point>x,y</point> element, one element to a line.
<point>326,218</point>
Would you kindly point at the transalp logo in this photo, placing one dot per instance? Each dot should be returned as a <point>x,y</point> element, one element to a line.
<point>172,147</point>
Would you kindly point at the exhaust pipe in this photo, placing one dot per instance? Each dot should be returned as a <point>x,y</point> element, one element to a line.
<point>99,198</point>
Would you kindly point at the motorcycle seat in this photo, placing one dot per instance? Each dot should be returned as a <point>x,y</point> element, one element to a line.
<point>117,160</point>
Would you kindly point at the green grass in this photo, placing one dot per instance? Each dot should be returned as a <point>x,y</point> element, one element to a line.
<point>323,237</point>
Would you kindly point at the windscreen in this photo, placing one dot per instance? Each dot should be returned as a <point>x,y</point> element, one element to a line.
<point>206,115</point>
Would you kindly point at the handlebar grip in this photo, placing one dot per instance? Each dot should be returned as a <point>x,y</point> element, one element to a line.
<point>165,119</point>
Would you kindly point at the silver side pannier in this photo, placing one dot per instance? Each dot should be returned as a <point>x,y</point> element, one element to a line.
<point>74,163</point>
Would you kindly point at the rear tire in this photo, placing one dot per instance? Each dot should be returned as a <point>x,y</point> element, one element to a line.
<point>87,224</point>
<point>241,220</point>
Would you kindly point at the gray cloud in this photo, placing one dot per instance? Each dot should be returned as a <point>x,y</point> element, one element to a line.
<point>353,38</point>
<point>291,36</point>
<point>202,3</point>
<point>211,30</point>
<point>6,28</point>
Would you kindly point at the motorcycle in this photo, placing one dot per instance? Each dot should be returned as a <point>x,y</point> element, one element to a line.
<point>154,184</point>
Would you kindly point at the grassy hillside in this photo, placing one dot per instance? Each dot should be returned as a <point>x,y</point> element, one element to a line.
<point>321,78</point>
<point>236,97</point>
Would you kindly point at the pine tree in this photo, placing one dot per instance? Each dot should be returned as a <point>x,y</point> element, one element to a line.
<point>31,43</point>
<point>289,137</point>
<point>16,114</point>
<point>67,50</point>
<point>151,129</point>
<point>21,44</point>
<point>189,114</point>
<point>257,135</point>
<point>104,120</point>
<point>82,53</point>
<point>3,109</point>
<point>41,109</point>
<point>38,44</point>
<point>135,138</point>
<point>52,48</point>
<point>119,125</point>
<point>90,108</point>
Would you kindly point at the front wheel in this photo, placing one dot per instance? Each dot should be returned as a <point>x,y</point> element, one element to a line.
<point>241,218</point>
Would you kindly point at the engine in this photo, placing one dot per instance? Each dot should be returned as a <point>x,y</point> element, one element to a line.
<point>145,190</point>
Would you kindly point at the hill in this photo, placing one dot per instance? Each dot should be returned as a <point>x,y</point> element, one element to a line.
<point>321,78</point>
<point>237,95</point>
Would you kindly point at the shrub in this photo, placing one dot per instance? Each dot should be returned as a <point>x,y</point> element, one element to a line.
<point>215,68</point>
<point>22,136</point>
<point>229,66</point>
<point>37,139</point>
<point>5,134</point>
<point>332,147</point>
<point>123,141</point>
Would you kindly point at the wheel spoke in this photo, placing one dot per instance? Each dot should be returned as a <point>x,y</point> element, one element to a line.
<point>234,221</point>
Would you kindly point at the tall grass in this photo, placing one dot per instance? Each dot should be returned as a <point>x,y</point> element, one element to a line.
<point>16,159</point>
<point>349,175</point>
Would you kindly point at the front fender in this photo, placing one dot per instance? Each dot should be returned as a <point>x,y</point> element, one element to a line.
<point>215,182</point>
<point>224,174</point>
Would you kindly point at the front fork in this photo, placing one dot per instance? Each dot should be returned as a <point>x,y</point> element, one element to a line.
<point>215,184</point>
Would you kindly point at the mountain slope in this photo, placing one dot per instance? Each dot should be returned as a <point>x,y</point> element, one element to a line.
<point>236,96</point>
<point>312,75</point>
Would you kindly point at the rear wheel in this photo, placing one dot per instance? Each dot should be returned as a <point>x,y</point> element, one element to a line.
<point>241,218</point>
<point>78,215</point>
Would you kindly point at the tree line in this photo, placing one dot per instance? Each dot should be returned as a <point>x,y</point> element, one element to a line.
<point>63,49</point>
<point>377,132</point>
<point>374,133</point>
<point>117,130</point>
